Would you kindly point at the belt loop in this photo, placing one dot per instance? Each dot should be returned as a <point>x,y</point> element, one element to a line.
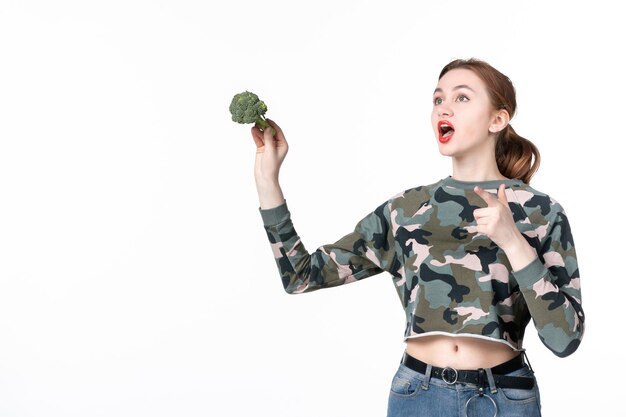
<point>426,381</point>
<point>527,361</point>
<point>492,383</point>
<point>481,382</point>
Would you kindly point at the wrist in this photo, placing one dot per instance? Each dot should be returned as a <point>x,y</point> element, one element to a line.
<point>519,252</point>
<point>266,183</point>
<point>268,187</point>
<point>516,243</point>
<point>270,194</point>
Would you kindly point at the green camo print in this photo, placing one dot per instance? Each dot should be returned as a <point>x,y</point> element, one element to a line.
<point>450,278</point>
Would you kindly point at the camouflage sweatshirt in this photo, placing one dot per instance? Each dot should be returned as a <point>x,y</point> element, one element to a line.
<point>450,279</point>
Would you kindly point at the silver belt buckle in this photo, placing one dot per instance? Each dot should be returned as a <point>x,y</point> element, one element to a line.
<point>449,379</point>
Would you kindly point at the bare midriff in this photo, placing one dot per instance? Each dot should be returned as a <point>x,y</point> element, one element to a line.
<point>459,352</point>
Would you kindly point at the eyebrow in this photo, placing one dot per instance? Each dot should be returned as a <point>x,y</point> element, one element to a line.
<point>439,90</point>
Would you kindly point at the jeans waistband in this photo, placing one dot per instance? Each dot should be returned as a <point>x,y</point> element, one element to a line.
<point>477,377</point>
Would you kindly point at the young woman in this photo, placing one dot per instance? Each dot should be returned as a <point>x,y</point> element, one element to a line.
<point>473,256</point>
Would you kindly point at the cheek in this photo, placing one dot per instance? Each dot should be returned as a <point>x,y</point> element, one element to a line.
<point>434,119</point>
<point>476,125</point>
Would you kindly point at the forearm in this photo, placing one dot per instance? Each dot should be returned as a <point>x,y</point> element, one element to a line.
<point>300,270</point>
<point>556,311</point>
<point>362,253</point>
<point>292,259</point>
<point>270,194</point>
<point>519,253</point>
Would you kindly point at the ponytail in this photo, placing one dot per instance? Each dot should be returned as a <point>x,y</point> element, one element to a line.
<point>516,156</point>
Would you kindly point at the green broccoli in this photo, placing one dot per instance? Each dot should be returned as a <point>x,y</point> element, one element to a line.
<point>247,108</point>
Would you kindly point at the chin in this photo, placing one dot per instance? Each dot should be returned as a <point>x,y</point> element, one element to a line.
<point>445,150</point>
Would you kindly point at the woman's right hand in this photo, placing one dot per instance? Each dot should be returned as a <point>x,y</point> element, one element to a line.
<point>270,154</point>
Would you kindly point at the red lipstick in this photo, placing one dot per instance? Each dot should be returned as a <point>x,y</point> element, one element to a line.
<point>446,131</point>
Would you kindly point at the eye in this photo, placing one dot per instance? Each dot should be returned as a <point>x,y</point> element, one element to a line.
<point>437,100</point>
<point>463,98</point>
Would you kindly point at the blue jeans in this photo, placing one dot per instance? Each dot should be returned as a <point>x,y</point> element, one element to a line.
<point>415,395</point>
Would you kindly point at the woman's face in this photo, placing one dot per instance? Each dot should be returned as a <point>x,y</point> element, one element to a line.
<point>462,114</point>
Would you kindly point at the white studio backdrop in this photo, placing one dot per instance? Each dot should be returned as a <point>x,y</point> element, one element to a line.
<point>135,276</point>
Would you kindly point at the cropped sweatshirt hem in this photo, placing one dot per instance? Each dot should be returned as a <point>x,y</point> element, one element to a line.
<point>468,335</point>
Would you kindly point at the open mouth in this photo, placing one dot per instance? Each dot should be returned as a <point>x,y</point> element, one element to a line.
<point>446,130</point>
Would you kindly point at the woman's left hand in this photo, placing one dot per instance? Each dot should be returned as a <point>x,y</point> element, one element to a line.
<point>496,220</point>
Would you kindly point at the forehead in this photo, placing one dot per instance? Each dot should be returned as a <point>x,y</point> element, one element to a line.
<point>461,76</point>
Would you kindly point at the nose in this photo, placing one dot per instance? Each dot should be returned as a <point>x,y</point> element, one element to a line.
<point>444,111</point>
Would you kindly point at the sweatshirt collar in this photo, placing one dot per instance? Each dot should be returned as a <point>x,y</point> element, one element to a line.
<point>449,181</point>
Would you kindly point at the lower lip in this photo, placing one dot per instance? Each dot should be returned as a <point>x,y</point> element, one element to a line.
<point>445,139</point>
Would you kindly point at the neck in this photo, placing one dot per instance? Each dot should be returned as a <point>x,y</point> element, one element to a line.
<point>480,166</point>
<point>476,174</point>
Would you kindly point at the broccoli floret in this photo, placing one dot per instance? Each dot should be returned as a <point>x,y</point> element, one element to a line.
<point>247,108</point>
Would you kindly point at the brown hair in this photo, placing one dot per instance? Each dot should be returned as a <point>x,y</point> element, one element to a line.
<point>514,154</point>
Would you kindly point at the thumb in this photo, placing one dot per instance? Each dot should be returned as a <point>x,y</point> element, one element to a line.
<point>268,139</point>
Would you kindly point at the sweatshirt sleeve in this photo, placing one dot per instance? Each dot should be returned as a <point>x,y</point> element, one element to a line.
<point>366,251</point>
<point>550,286</point>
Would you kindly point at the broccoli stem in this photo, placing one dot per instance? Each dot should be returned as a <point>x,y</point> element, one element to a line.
<point>262,124</point>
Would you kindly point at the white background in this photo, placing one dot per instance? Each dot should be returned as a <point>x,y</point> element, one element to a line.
<point>135,276</point>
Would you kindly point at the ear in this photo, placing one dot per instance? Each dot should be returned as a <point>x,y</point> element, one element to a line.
<point>500,119</point>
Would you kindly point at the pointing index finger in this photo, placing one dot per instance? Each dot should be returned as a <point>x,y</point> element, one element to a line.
<point>489,198</point>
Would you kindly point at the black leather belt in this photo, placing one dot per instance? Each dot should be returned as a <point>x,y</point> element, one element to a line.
<point>477,377</point>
